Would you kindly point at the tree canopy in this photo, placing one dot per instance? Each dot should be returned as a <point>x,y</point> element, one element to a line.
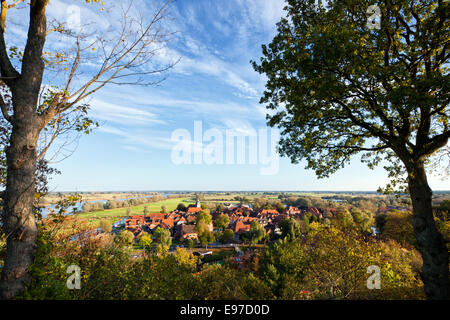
<point>222,221</point>
<point>337,87</point>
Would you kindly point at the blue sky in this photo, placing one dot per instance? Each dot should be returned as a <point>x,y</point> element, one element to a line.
<point>213,83</point>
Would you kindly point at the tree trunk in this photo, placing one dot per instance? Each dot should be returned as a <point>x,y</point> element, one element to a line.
<point>431,244</point>
<point>19,222</point>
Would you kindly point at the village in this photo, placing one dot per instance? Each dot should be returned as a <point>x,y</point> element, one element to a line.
<point>182,224</point>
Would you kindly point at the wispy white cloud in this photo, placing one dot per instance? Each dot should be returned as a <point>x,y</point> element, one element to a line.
<point>240,126</point>
<point>199,108</point>
<point>144,140</point>
<point>110,112</point>
<point>236,22</point>
<point>206,63</point>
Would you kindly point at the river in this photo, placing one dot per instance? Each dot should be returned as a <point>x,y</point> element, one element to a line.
<point>79,206</point>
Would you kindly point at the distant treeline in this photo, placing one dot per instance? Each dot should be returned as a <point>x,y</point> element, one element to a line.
<point>367,203</point>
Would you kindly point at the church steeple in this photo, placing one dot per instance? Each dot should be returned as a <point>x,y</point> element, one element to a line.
<point>197,204</point>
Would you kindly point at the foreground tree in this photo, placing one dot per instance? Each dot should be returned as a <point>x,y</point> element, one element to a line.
<point>125,237</point>
<point>145,241</point>
<point>398,227</point>
<point>341,85</point>
<point>290,229</point>
<point>120,55</point>
<point>222,221</point>
<point>256,233</point>
<point>206,237</point>
<point>162,236</point>
<point>106,226</point>
<point>227,235</point>
<point>181,207</point>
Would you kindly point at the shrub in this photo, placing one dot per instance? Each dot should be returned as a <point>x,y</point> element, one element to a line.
<point>106,226</point>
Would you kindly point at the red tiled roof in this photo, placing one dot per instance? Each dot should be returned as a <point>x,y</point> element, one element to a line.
<point>314,211</point>
<point>194,210</point>
<point>241,227</point>
<point>246,219</point>
<point>156,216</point>
<point>186,231</point>
<point>279,218</point>
<point>292,210</point>
<point>168,222</point>
<point>191,218</point>
<point>268,211</point>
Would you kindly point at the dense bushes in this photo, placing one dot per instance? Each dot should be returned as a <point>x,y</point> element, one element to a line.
<point>332,263</point>
<point>326,263</point>
<point>398,226</point>
<point>224,282</point>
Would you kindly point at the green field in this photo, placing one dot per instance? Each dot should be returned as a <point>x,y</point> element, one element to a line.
<point>153,207</point>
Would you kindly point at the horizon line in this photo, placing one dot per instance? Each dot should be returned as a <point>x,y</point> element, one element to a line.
<point>221,191</point>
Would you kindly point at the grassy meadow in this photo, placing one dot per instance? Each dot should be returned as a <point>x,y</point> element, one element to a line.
<point>115,214</point>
